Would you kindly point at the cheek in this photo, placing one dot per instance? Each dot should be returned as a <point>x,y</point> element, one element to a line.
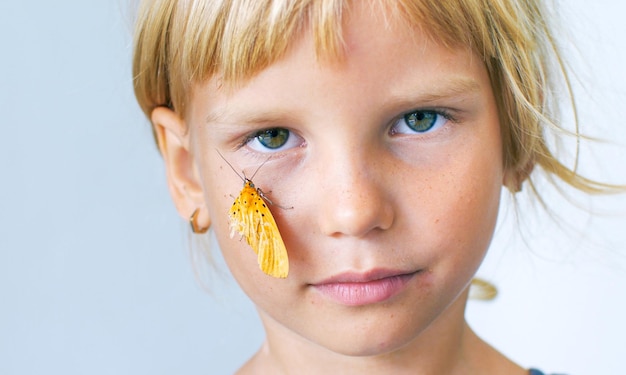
<point>470,217</point>
<point>479,179</point>
<point>241,261</point>
<point>219,198</point>
<point>473,215</point>
<point>459,206</point>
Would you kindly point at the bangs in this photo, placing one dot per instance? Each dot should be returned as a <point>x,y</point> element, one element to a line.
<point>181,43</point>
<point>236,39</point>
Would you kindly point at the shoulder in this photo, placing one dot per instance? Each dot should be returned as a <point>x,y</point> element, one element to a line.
<point>533,371</point>
<point>257,364</point>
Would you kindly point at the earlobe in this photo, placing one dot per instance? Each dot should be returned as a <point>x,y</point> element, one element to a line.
<point>515,177</point>
<point>182,174</point>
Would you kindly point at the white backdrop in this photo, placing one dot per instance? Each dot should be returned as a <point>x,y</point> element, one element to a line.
<point>96,275</point>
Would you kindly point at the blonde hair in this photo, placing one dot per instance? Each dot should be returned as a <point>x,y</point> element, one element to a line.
<point>179,43</point>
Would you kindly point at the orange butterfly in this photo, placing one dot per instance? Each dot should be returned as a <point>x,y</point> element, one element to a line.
<point>250,217</point>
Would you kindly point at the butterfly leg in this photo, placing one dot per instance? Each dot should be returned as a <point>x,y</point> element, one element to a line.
<point>264,196</point>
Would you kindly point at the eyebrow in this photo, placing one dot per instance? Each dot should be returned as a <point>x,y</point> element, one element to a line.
<point>456,87</point>
<point>451,88</point>
<point>226,116</point>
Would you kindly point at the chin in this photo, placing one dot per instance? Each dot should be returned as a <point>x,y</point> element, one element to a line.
<point>374,335</point>
<point>373,346</point>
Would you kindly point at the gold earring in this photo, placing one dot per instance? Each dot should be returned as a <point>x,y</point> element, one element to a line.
<point>482,290</point>
<point>194,225</point>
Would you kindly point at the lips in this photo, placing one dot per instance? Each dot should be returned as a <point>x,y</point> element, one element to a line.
<point>357,289</point>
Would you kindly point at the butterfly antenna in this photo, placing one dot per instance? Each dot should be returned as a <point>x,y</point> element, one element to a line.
<point>262,164</point>
<point>231,166</point>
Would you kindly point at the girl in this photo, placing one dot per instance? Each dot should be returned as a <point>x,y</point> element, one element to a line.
<point>380,134</point>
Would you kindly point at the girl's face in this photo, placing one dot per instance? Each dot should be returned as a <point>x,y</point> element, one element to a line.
<point>391,160</point>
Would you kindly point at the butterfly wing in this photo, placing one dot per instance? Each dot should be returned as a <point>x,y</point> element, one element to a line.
<point>251,218</point>
<point>272,254</point>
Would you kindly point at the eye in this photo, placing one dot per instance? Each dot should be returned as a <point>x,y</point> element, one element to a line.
<point>273,139</point>
<point>419,122</point>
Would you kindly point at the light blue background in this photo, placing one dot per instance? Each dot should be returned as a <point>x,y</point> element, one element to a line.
<point>96,274</point>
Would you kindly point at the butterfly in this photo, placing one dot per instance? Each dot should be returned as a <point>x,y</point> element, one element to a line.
<point>251,218</point>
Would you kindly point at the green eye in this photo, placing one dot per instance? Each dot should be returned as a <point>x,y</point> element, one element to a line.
<point>273,138</point>
<point>421,121</point>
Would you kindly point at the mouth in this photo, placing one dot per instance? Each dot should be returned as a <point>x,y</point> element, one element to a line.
<point>358,289</point>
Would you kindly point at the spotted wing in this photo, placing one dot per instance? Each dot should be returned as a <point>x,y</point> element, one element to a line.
<point>251,218</point>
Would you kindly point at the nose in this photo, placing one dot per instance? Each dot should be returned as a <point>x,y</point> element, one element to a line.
<point>355,198</point>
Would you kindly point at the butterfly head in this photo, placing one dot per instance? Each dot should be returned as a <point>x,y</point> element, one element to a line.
<point>248,183</point>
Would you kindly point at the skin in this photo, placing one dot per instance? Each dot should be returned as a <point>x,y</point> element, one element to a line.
<point>367,194</point>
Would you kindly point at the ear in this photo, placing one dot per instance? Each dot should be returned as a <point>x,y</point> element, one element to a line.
<point>181,169</point>
<point>514,177</point>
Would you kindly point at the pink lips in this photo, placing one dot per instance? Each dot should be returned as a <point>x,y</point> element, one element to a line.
<point>354,289</point>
